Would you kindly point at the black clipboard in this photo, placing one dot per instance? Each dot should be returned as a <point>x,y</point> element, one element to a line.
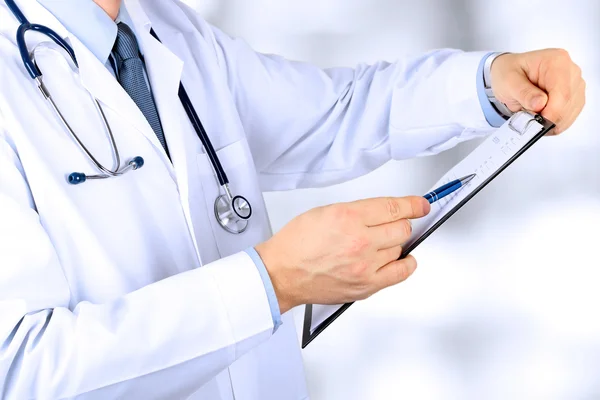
<point>308,335</point>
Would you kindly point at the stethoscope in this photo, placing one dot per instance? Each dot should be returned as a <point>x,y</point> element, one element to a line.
<point>232,212</point>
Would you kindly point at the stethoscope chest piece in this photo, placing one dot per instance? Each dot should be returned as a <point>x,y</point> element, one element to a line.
<point>233,213</point>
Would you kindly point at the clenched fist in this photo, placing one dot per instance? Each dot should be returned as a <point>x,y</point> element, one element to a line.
<point>342,252</point>
<point>544,81</point>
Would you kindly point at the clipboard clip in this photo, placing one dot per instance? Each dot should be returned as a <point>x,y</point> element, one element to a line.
<point>535,118</point>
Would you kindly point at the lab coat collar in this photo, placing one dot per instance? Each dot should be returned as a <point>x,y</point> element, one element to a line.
<point>92,25</point>
<point>89,22</point>
<point>138,16</point>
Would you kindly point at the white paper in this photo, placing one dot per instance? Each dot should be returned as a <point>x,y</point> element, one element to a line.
<point>486,159</point>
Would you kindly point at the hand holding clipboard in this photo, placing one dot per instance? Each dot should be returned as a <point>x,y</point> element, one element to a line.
<point>487,161</point>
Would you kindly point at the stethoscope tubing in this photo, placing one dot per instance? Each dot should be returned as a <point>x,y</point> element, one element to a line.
<point>200,131</point>
<point>236,203</point>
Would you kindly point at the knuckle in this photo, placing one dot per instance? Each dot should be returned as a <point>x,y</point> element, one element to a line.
<point>342,212</point>
<point>393,208</point>
<point>398,232</point>
<point>358,245</point>
<point>390,231</point>
<point>525,92</point>
<point>359,270</point>
<point>562,53</point>
<point>398,252</point>
<point>558,118</point>
<point>406,228</point>
<point>394,253</point>
<point>405,269</point>
<point>401,272</point>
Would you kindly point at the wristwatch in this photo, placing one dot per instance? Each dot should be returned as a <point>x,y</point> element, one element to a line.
<point>500,107</point>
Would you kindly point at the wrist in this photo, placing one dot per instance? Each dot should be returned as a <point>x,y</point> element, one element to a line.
<point>488,81</point>
<point>274,265</point>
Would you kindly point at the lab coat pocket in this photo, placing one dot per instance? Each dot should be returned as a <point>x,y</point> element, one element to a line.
<point>238,165</point>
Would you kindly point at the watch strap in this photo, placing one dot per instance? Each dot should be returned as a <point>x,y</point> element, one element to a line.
<point>487,84</point>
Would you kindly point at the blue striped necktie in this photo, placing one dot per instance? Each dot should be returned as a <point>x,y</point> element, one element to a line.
<point>130,74</point>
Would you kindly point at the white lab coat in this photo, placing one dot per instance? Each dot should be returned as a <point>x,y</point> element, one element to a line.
<point>127,287</point>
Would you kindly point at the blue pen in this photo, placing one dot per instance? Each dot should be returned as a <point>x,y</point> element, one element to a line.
<point>447,189</point>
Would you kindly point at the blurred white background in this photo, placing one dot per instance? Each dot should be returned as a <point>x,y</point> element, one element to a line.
<point>505,303</point>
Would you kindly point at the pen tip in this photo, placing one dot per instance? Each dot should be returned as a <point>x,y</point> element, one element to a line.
<point>467,178</point>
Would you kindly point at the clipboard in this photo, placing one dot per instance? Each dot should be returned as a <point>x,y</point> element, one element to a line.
<point>488,160</point>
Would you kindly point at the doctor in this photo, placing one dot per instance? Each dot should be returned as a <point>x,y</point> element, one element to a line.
<point>129,287</point>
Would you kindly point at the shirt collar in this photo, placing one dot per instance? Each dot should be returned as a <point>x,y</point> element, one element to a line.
<point>89,23</point>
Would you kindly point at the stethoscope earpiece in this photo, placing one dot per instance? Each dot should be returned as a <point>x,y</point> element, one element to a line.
<point>77,178</point>
<point>137,163</point>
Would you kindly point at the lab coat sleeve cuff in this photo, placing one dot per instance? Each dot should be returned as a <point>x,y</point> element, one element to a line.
<point>493,117</point>
<point>243,294</point>
<point>264,274</point>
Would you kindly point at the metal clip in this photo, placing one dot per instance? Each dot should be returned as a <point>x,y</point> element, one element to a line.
<point>514,128</point>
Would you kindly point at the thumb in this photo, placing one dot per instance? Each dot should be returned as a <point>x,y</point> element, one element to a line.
<point>529,96</point>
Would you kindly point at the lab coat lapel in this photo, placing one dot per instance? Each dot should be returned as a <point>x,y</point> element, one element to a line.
<point>164,70</point>
<point>96,78</point>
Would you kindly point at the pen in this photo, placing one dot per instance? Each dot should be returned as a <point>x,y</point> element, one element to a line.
<point>447,189</point>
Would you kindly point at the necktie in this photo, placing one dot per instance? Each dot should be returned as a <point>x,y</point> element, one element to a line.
<point>130,74</point>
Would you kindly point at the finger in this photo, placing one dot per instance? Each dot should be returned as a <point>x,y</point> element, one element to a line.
<point>395,272</point>
<point>561,110</point>
<point>557,108</point>
<point>563,83</point>
<point>572,109</point>
<point>391,234</point>
<point>386,256</point>
<point>382,210</point>
<point>526,94</point>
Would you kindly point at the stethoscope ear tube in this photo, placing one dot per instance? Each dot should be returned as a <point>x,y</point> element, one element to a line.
<point>77,178</point>
<point>12,6</point>
<point>32,69</point>
<point>200,131</point>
